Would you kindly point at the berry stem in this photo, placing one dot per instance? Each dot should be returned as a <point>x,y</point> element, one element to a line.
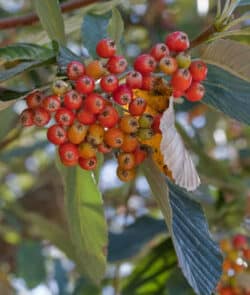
<point>204,36</point>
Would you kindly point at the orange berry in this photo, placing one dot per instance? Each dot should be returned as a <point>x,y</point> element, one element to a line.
<point>225,245</point>
<point>95,134</point>
<point>114,137</point>
<point>103,148</point>
<point>126,161</point>
<point>130,143</point>
<point>125,175</point>
<point>227,265</point>
<point>77,132</point>
<point>95,69</point>
<point>129,124</point>
<point>86,150</point>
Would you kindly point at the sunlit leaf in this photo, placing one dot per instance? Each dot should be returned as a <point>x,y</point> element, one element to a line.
<point>87,225</point>
<point>51,18</point>
<point>116,27</point>
<point>228,93</point>
<point>24,52</point>
<point>176,157</point>
<point>94,28</point>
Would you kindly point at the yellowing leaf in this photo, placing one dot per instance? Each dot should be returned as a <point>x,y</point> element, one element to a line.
<point>230,55</point>
<point>175,155</point>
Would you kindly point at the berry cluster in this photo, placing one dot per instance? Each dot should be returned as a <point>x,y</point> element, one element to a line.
<point>236,262</point>
<point>98,110</point>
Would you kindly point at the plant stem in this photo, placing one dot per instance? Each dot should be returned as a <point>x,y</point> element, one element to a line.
<point>204,36</point>
<point>31,18</point>
<point>116,281</point>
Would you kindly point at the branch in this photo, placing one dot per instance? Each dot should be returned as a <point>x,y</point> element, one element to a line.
<point>31,18</point>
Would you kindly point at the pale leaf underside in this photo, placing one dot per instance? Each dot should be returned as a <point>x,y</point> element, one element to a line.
<point>175,155</point>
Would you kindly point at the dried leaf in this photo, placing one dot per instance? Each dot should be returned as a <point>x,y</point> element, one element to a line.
<point>175,155</point>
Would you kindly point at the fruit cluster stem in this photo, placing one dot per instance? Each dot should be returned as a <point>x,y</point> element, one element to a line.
<point>204,36</point>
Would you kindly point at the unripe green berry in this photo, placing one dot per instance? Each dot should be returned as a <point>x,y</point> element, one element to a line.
<point>183,60</point>
<point>146,121</point>
<point>60,87</point>
<point>145,133</point>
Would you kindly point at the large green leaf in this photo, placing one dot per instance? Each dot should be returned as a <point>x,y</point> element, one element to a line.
<point>51,18</point>
<point>199,257</point>
<point>87,225</point>
<point>228,93</point>
<point>94,28</point>
<point>7,118</point>
<point>116,26</point>
<point>133,239</point>
<point>177,284</point>
<point>24,52</point>
<point>85,287</point>
<point>152,271</point>
<point>31,263</point>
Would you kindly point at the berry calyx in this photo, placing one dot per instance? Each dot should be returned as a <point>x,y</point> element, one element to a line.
<point>134,80</point>
<point>117,64</point>
<point>159,51</point>
<point>85,84</point>
<point>41,117</point>
<point>106,48</point>
<point>51,103</point>
<point>195,92</point>
<point>145,64</point>
<point>109,117</point>
<point>64,117</point>
<point>72,100</point>
<point>114,137</point>
<point>27,118</point>
<point>68,154</point>
<point>137,106</point>
<point>94,103</point>
<point>129,124</point>
<point>125,175</point>
<point>177,41</point>
<point>56,134</point>
<point>198,70</point>
<point>75,69</point>
<point>88,164</point>
<point>123,95</point>
<point>34,99</point>
<point>59,87</point>
<point>95,134</point>
<point>109,83</point>
<point>168,65</point>
<point>126,161</point>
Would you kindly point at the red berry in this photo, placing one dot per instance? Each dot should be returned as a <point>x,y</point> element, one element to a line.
<point>88,164</point>
<point>85,84</point>
<point>68,153</point>
<point>94,103</point>
<point>104,148</point>
<point>51,103</point>
<point>123,95</point>
<point>159,51</point>
<point>177,41</point>
<point>34,99</point>
<point>109,117</point>
<point>156,123</point>
<point>72,100</point>
<point>177,93</point>
<point>85,117</point>
<point>134,80</point>
<point>64,117</point>
<point>148,82</point>
<point>109,83</point>
<point>75,69</point>
<point>26,118</point>
<point>181,80</point>
<point>195,92</point>
<point>145,64</point>
<point>246,254</point>
<point>198,70</point>
<point>140,155</point>
<point>117,64</point>
<point>41,117</point>
<point>106,48</point>
<point>239,241</point>
<point>137,106</point>
<point>57,134</point>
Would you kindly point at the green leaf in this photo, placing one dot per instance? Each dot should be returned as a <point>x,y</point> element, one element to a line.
<point>116,26</point>
<point>7,118</point>
<point>199,256</point>
<point>87,225</point>
<point>152,271</point>
<point>51,18</point>
<point>227,93</point>
<point>230,56</point>
<point>244,2</point>
<point>177,284</point>
<point>134,238</point>
<point>85,287</point>
<point>24,52</point>
<point>33,273</point>
<point>94,28</point>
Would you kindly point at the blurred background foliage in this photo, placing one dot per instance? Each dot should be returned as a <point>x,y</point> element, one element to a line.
<point>141,257</point>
